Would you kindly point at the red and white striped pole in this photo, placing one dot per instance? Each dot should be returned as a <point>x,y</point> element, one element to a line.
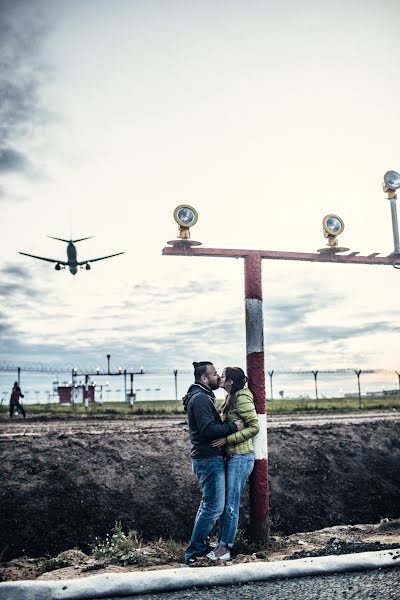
<point>259,497</point>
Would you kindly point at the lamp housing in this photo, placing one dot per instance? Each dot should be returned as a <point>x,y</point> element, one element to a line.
<point>391,181</point>
<point>186,216</point>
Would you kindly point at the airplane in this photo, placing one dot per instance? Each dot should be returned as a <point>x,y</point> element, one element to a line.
<point>72,263</point>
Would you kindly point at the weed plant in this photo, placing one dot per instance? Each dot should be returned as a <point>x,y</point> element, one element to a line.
<point>129,548</point>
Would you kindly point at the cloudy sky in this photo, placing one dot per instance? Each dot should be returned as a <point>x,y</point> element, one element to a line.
<point>265,116</point>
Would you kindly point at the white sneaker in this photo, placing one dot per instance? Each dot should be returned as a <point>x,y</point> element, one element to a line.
<point>212,556</point>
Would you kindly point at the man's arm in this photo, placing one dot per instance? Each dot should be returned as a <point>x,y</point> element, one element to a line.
<point>207,424</point>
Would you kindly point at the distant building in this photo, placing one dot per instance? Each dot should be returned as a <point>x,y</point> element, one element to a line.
<point>64,394</point>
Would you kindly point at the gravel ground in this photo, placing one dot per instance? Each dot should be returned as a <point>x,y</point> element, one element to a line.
<point>381,584</point>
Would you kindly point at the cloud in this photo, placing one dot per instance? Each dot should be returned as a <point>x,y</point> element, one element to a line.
<point>166,326</point>
<point>12,160</point>
<point>16,282</point>
<point>16,271</point>
<point>22,28</point>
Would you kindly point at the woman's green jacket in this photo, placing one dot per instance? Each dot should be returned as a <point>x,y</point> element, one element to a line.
<point>243,408</point>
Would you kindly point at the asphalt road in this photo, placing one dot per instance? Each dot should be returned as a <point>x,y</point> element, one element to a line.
<point>381,584</point>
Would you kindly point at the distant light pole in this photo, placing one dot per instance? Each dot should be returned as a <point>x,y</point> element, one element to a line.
<point>391,183</point>
<point>186,216</point>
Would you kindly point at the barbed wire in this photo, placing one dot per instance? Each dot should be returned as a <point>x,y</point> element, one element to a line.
<point>40,367</point>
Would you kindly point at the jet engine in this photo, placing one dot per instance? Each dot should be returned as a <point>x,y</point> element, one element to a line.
<point>88,267</point>
<point>57,267</point>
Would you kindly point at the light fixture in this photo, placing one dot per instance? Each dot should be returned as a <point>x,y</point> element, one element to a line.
<point>332,226</point>
<point>186,216</point>
<point>391,183</point>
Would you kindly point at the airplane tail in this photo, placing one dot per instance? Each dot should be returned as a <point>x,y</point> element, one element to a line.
<point>67,241</point>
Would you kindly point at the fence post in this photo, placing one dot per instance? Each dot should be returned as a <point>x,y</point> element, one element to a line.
<point>72,386</point>
<point>315,373</point>
<point>86,391</point>
<point>270,373</point>
<point>358,373</point>
<point>176,389</point>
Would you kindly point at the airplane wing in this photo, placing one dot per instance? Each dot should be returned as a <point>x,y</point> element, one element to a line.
<point>52,260</point>
<point>84,262</point>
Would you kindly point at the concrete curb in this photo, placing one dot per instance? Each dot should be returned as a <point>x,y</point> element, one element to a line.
<point>146,582</point>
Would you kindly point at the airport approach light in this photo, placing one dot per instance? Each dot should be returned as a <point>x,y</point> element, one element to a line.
<point>186,216</point>
<point>391,180</point>
<point>391,183</point>
<point>332,226</point>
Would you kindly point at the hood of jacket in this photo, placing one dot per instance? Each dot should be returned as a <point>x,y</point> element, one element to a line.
<point>245,392</point>
<point>194,389</point>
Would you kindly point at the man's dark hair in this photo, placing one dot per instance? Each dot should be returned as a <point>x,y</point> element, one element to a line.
<point>200,368</point>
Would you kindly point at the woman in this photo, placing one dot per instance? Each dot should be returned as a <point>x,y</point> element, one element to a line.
<point>239,452</point>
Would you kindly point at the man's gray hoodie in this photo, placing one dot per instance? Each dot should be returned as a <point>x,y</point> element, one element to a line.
<point>205,424</point>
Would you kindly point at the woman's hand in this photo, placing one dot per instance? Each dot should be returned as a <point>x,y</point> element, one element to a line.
<point>219,442</point>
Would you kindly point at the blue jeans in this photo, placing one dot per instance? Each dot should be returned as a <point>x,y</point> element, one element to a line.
<point>238,469</point>
<point>211,475</point>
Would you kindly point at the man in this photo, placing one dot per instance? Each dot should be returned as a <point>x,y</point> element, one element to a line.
<point>205,425</point>
<point>16,394</point>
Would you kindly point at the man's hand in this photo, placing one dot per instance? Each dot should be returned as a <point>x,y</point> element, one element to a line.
<point>219,442</point>
<point>239,424</point>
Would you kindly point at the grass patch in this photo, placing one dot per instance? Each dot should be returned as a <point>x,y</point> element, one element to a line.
<point>129,548</point>
<point>58,562</point>
<point>306,405</point>
<point>171,407</point>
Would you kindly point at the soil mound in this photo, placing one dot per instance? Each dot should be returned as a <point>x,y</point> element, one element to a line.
<point>61,490</point>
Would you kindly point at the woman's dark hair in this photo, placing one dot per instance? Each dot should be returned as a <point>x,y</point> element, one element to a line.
<point>200,368</point>
<point>239,380</point>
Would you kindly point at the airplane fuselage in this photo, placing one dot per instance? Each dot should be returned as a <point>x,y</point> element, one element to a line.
<point>72,261</point>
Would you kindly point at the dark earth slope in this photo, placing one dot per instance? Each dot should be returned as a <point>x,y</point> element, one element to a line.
<point>60,490</point>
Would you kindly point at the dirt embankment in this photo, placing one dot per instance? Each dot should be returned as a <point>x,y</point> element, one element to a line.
<point>60,490</point>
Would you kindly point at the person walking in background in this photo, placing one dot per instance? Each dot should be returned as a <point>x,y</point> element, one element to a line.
<point>15,404</point>
<point>208,462</point>
<point>239,452</point>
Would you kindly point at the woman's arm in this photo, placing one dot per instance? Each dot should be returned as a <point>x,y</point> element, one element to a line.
<point>246,409</point>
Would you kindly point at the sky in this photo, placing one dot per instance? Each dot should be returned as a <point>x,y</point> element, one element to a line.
<point>264,116</point>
